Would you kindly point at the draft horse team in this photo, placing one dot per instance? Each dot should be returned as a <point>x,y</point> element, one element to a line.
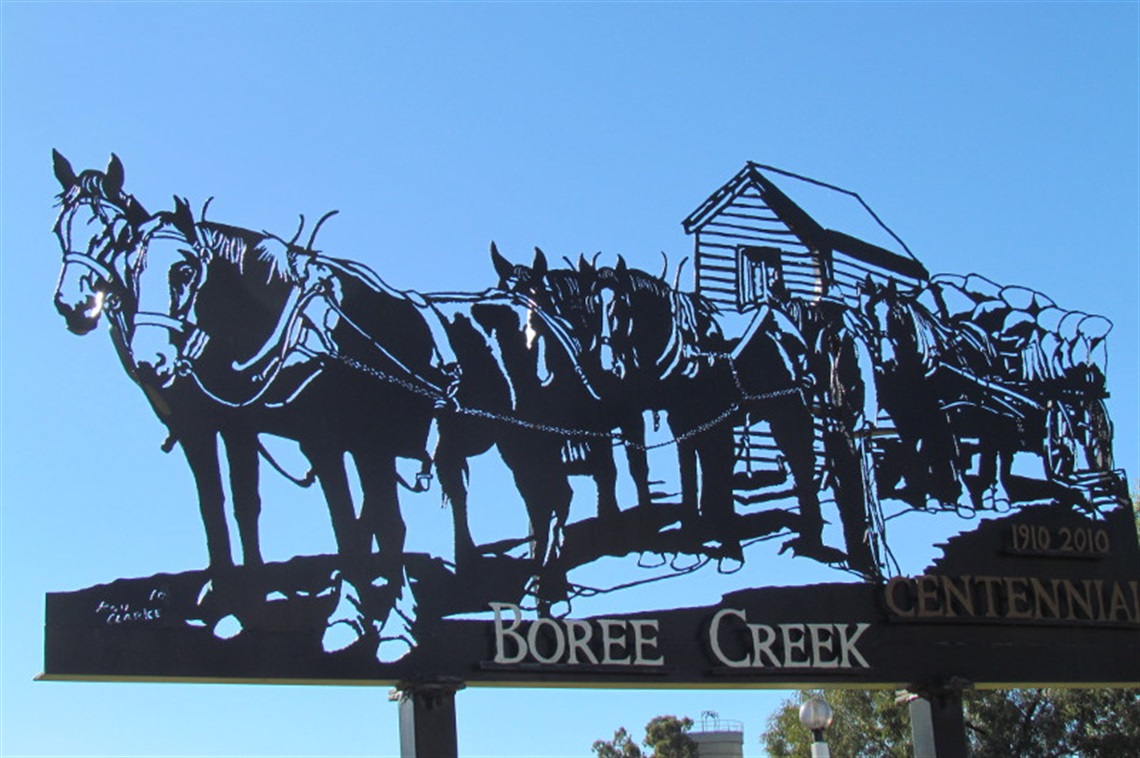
<point>235,334</point>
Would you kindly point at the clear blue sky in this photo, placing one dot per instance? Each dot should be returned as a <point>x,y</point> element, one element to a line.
<point>1000,138</point>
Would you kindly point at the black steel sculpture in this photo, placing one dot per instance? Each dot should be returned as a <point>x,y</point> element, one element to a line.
<point>810,370</point>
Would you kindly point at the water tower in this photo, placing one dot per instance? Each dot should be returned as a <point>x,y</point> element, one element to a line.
<point>719,738</point>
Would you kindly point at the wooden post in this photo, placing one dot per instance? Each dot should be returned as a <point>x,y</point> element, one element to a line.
<point>427,719</point>
<point>937,723</point>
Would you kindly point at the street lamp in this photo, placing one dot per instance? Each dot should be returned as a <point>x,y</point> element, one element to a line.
<point>816,715</point>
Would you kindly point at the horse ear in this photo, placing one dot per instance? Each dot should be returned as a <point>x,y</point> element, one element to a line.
<point>540,266</point>
<point>620,267</point>
<point>114,176</point>
<point>63,171</point>
<point>503,267</point>
<point>585,266</point>
<point>183,219</point>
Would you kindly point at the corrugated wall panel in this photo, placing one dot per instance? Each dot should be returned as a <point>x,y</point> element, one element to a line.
<point>747,220</point>
<point>850,274</point>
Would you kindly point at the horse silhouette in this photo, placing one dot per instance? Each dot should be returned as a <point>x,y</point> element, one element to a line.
<point>106,278</point>
<point>985,383</point>
<point>238,317</point>
<point>321,350</point>
<point>517,387</point>
<point>103,233</point>
<point>564,297</point>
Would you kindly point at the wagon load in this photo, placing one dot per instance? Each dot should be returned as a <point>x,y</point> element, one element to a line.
<point>945,379</point>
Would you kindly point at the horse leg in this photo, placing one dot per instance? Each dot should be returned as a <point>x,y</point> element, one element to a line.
<point>633,431</point>
<point>346,624</point>
<point>328,464</point>
<point>910,462</point>
<point>201,451</point>
<point>601,457</point>
<point>380,510</point>
<point>387,601</point>
<point>715,454</point>
<point>939,451</point>
<point>985,481</point>
<point>241,452</point>
<point>537,469</point>
<point>687,463</point>
<point>451,467</point>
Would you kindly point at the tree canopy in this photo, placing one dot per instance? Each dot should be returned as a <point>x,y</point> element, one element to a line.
<point>665,736</point>
<point>1033,723</point>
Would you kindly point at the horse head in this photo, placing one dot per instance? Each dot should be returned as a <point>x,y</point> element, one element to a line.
<point>649,329</point>
<point>562,298</point>
<point>166,279</point>
<point>611,289</point>
<point>517,278</point>
<point>213,301</point>
<point>99,227</point>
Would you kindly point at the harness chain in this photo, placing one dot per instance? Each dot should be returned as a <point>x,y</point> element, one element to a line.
<point>445,399</point>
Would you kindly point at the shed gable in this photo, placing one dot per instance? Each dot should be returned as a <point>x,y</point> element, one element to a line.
<point>750,212</point>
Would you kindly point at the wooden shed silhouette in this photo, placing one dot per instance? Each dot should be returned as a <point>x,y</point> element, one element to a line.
<point>806,239</point>
<point>756,241</point>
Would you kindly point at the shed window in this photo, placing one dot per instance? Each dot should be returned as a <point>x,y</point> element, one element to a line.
<point>760,275</point>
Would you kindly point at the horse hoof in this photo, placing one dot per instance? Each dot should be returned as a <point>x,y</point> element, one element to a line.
<point>394,625</point>
<point>650,560</point>
<point>393,649</point>
<point>684,562</point>
<point>729,564</point>
<point>963,511</point>
<point>343,627</point>
<point>340,634</point>
<point>560,609</point>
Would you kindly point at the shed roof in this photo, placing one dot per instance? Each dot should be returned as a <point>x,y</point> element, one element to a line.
<point>823,216</point>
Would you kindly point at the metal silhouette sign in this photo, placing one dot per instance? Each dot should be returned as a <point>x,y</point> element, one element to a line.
<point>814,386</point>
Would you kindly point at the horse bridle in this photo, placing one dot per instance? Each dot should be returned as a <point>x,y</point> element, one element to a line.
<point>97,263</point>
<point>93,263</point>
<point>194,339</point>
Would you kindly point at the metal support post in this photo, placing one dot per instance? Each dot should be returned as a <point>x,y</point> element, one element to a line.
<point>938,726</point>
<point>427,718</point>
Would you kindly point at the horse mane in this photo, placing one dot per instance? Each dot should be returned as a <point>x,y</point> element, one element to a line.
<point>692,315</point>
<point>684,305</point>
<point>91,186</point>
<point>565,286</point>
<point>244,247</point>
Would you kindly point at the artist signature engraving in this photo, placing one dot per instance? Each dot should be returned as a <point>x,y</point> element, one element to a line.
<point>124,613</point>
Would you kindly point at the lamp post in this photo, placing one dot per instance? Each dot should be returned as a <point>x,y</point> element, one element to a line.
<point>816,715</point>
